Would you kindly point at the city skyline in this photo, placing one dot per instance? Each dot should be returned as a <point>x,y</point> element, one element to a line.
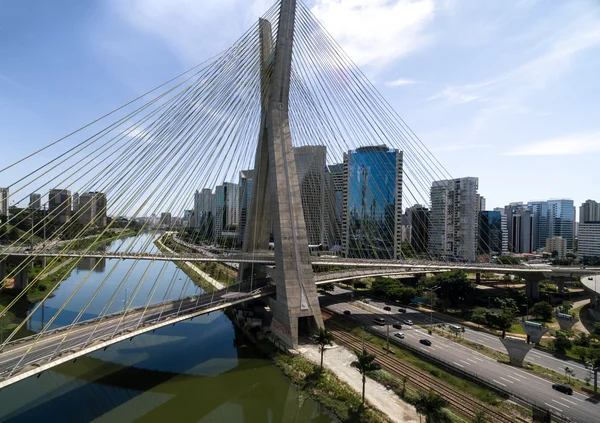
<point>474,93</point>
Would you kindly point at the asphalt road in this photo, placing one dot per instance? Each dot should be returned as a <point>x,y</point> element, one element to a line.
<point>578,408</point>
<point>540,358</point>
<point>16,356</point>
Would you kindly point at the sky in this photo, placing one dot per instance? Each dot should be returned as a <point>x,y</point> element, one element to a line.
<point>504,91</point>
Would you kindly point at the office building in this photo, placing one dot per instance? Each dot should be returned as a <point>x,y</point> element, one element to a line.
<point>418,216</point>
<point>166,220</point>
<point>310,167</point>
<point>334,200</point>
<point>59,206</point>
<point>203,209</point>
<point>225,206</point>
<point>520,229</point>
<point>372,203</point>
<point>35,201</point>
<point>245,191</point>
<point>589,240</point>
<point>90,208</point>
<point>503,228</point>
<point>561,220</point>
<point>589,212</point>
<point>453,220</point>
<point>3,201</point>
<point>558,244</point>
<point>490,233</point>
<point>539,210</point>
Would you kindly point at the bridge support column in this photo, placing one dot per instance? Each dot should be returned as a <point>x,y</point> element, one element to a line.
<point>566,321</point>
<point>22,279</point>
<point>478,278</point>
<point>517,349</point>
<point>532,290</point>
<point>561,287</point>
<point>44,262</point>
<point>275,200</point>
<point>534,331</point>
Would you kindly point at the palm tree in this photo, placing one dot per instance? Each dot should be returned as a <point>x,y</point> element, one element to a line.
<point>431,405</point>
<point>365,364</point>
<point>323,337</point>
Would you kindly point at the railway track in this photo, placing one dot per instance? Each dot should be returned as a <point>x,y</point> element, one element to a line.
<point>464,404</point>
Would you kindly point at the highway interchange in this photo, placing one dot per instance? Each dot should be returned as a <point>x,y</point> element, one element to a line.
<point>578,407</point>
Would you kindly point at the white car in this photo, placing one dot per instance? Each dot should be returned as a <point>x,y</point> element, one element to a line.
<point>399,335</point>
<point>409,322</point>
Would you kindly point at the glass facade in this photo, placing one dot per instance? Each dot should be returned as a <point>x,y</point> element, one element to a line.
<point>490,232</point>
<point>561,216</point>
<point>372,202</point>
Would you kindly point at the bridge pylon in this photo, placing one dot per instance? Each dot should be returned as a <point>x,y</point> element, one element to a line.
<point>275,202</point>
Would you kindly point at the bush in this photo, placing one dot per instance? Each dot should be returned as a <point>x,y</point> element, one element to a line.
<point>561,342</point>
<point>542,310</point>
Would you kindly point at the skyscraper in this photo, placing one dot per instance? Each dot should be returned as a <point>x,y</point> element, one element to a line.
<point>372,203</point>
<point>3,201</point>
<point>59,205</point>
<point>521,228</point>
<point>244,200</point>
<point>310,166</point>
<point>90,208</point>
<point>35,201</point>
<point>489,240</point>
<point>589,212</point>
<point>453,219</point>
<point>539,210</point>
<point>589,240</point>
<point>334,200</point>
<point>225,205</point>
<point>419,224</point>
<point>561,218</point>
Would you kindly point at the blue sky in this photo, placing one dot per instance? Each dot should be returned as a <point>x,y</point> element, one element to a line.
<point>505,91</point>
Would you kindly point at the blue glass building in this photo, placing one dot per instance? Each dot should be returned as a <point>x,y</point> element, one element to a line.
<point>372,203</point>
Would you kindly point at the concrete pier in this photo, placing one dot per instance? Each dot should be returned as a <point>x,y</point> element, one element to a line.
<point>532,290</point>
<point>22,279</point>
<point>517,350</point>
<point>566,321</point>
<point>534,331</point>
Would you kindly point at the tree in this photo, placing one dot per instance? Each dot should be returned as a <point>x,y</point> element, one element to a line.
<point>328,287</point>
<point>453,286</point>
<point>323,338</point>
<point>554,254</point>
<point>581,352</point>
<point>566,307</point>
<point>542,310</point>
<point>479,315</point>
<point>596,329</point>
<point>561,342</point>
<point>431,405</point>
<point>582,340</point>
<point>365,363</point>
<point>480,417</point>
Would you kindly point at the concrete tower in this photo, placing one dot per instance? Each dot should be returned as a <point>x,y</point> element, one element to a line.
<point>275,200</point>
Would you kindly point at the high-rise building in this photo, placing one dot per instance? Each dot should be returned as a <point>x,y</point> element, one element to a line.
<point>59,205</point>
<point>453,219</point>
<point>561,219</point>
<point>166,220</point>
<point>520,224</point>
<point>245,192</point>
<point>504,228</point>
<point>310,166</point>
<point>372,203</point>
<point>35,201</point>
<point>3,201</point>
<point>419,227</point>
<point>203,209</point>
<point>558,244</point>
<point>489,240</point>
<point>226,203</point>
<point>589,240</point>
<point>539,209</point>
<point>589,212</point>
<point>334,200</point>
<point>480,203</point>
<point>90,208</point>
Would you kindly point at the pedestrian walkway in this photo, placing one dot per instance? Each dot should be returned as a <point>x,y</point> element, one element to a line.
<point>338,359</point>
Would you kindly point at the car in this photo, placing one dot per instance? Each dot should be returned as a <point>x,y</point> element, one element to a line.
<point>399,335</point>
<point>386,308</point>
<point>347,312</point>
<point>590,278</point>
<point>366,301</point>
<point>563,388</point>
<point>409,322</point>
<point>379,320</point>
<point>425,342</point>
<point>397,326</point>
<point>402,310</point>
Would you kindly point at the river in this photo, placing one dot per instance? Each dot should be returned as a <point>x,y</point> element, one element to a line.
<point>196,371</point>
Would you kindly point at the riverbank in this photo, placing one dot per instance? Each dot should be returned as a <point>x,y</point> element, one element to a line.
<point>200,278</point>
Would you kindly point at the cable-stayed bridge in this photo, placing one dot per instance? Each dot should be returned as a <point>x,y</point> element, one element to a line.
<point>325,161</point>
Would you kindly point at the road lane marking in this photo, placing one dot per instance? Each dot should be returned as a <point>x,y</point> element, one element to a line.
<point>472,361</point>
<point>550,405</point>
<point>499,383</point>
<point>512,377</point>
<point>466,362</point>
<point>459,365</point>
<point>509,381</point>
<point>574,403</point>
<point>558,402</point>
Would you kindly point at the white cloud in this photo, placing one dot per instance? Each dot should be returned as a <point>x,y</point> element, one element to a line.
<point>454,96</point>
<point>574,144</point>
<point>376,32</point>
<point>399,82</point>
